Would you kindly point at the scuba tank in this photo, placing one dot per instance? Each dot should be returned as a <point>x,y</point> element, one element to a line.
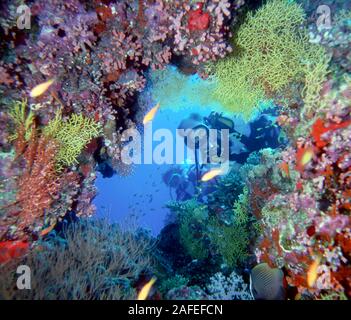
<point>195,123</point>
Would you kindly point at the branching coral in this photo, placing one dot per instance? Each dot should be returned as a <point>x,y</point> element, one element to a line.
<point>38,188</point>
<point>272,45</point>
<point>241,209</point>
<point>95,260</point>
<point>315,77</point>
<point>233,91</point>
<point>24,123</point>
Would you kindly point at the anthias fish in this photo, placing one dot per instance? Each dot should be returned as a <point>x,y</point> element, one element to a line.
<point>211,174</point>
<point>151,114</point>
<point>41,88</point>
<point>285,168</point>
<point>144,292</point>
<point>312,272</point>
<point>303,156</point>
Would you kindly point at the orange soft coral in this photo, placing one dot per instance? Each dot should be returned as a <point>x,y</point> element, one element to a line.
<point>320,127</point>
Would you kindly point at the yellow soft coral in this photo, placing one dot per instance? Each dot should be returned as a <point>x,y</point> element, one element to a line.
<point>272,44</point>
<point>72,136</point>
<point>240,208</point>
<point>271,51</point>
<point>315,76</point>
<point>231,241</point>
<point>233,90</point>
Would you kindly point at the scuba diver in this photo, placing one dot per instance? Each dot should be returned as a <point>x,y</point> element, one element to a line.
<point>182,181</point>
<point>262,133</point>
<point>245,138</point>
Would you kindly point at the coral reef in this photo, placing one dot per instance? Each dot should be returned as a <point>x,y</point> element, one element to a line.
<point>176,281</point>
<point>192,218</point>
<point>108,63</point>
<point>187,293</point>
<point>44,188</point>
<point>201,32</point>
<point>217,228</point>
<point>320,197</point>
<point>93,260</point>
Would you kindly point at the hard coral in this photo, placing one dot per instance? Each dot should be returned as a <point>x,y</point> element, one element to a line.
<point>232,287</point>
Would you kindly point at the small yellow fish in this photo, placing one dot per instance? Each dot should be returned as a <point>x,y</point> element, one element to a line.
<point>211,174</point>
<point>312,272</point>
<point>144,292</point>
<point>41,88</point>
<point>307,157</point>
<point>47,230</point>
<point>151,114</point>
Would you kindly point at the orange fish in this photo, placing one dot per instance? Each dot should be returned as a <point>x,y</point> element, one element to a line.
<point>151,114</point>
<point>144,292</point>
<point>12,249</point>
<point>312,272</point>
<point>303,157</point>
<point>47,230</point>
<point>285,168</point>
<point>211,174</point>
<point>39,89</point>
